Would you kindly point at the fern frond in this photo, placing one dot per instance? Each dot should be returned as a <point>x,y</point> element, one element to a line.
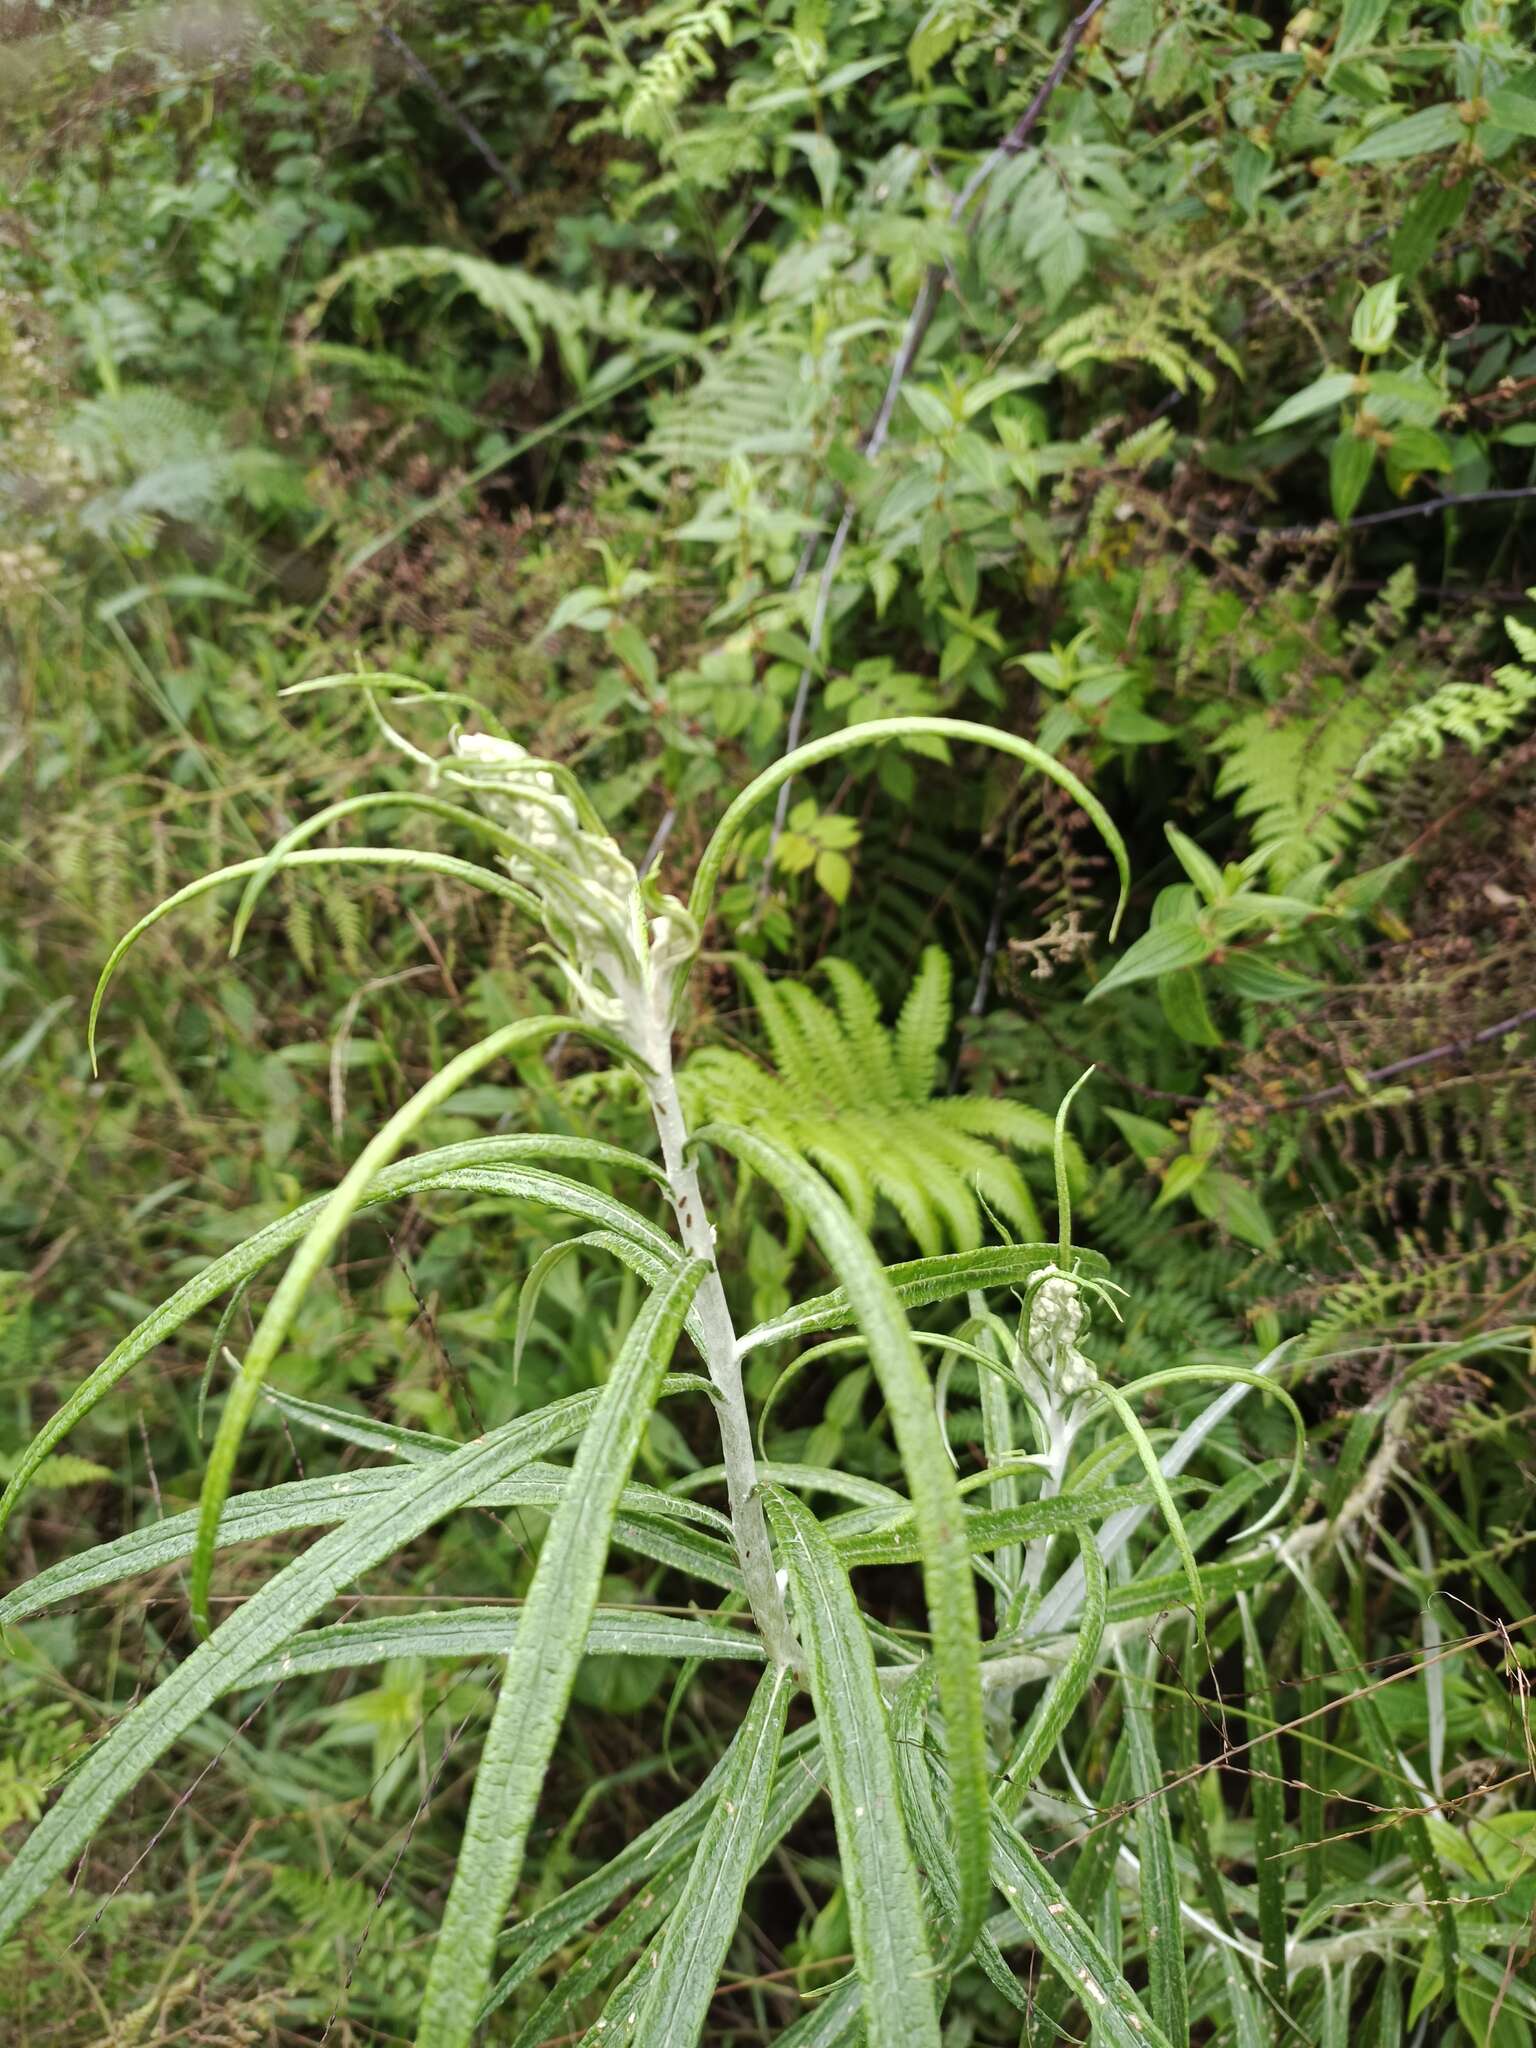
<point>855,1096</point>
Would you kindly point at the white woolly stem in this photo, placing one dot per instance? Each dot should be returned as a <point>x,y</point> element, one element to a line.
<point>719,1334</point>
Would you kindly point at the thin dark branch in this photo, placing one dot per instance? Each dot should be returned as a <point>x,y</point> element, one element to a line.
<point>1333,529</point>
<point>461,121</point>
<point>919,320</point>
<point>1447,1051</point>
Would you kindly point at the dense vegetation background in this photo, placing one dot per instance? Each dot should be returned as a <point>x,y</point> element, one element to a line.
<point>669,383</point>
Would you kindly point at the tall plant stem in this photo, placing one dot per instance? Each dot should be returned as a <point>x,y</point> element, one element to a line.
<point>719,1334</point>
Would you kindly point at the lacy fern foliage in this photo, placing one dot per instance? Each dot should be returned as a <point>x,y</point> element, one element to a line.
<point>859,1098</point>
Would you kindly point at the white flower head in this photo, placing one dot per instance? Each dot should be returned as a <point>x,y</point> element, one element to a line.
<point>1058,1321</point>
<point>621,959</point>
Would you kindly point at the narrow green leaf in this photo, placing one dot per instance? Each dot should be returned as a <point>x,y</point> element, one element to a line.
<point>645,1513</point>
<point>890,1941</point>
<point>537,1686</point>
<point>707,877</point>
<point>1376,1738</point>
<point>677,1834</point>
<point>492,1632</point>
<point>256,1630</point>
<point>411,858</point>
<point>473,822</point>
<point>448,1169</point>
<point>909,1735</point>
<point>1162,1924</point>
<point>917,1283</point>
<point>1069,1945</point>
<point>315,1249</point>
<point>1061,1697</point>
<point>1165,1500</point>
<point>1267,1794</point>
<point>948,1585</point>
<point>674,2006</point>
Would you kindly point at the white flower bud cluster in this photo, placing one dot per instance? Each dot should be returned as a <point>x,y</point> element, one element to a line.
<point>621,962</point>
<point>1058,1320</point>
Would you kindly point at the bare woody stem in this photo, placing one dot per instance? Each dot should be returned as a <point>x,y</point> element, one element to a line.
<point>719,1334</point>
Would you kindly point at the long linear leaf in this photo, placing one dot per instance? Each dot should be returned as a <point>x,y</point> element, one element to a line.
<point>885,1911</point>
<point>544,1933</point>
<point>255,1631</point>
<point>985,1529</point>
<point>1161,1910</point>
<point>431,1171</point>
<point>1069,1945</point>
<point>315,1249</point>
<point>1267,1779</point>
<point>492,1632</point>
<point>1377,1740</point>
<point>473,822</point>
<point>948,1585</point>
<point>676,2002</point>
<point>1062,1601</point>
<point>917,1282</point>
<point>1059,1702</point>
<point>537,1686</point>
<point>707,876</point>
<point>648,1522</point>
<point>909,1736</point>
<point>416,858</point>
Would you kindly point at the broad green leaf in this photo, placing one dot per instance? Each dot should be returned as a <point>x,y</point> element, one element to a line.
<point>890,1941</point>
<point>537,1686</point>
<point>1375,319</point>
<point>948,1586</point>
<point>1432,128</point>
<point>439,1170</point>
<point>1438,207</point>
<point>254,1633</point>
<point>1351,458</point>
<point>1358,26</point>
<point>674,2006</point>
<point>1162,1924</point>
<point>1162,950</point>
<point>1512,109</point>
<point>1321,395</point>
